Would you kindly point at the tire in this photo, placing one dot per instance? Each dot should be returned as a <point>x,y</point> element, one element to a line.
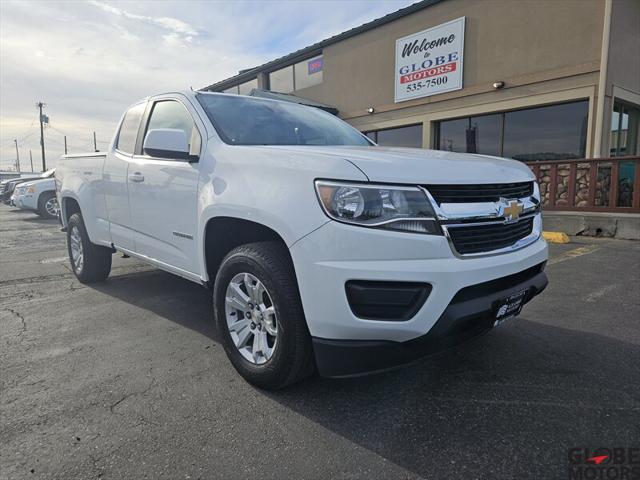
<point>291,357</point>
<point>48,205</point>
<point>93,263</point>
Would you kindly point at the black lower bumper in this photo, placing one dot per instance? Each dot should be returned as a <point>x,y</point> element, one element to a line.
<point>470,313</point>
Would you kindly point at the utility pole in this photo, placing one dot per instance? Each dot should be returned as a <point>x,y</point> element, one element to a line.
<point>44,162</point>
<point>95,144</point>
<point>17,155</point>
<point>31,158</point>
<point>65,144</point>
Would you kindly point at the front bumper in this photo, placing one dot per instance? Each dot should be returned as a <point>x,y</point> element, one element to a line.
<point>24,201</point>
<point>470,314</point>
<point>328,258</point>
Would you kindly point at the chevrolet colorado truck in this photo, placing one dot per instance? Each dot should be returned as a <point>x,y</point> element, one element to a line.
<point>323,251</point>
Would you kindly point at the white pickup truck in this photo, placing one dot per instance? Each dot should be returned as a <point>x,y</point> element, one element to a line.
<point>324,251</point>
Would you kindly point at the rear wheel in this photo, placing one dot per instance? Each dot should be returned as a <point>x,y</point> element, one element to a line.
<point>48,205</point>
<point>259,315</point>
<point>90,262</point>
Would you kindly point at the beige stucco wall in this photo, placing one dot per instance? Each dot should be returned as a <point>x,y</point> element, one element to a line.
<point>623,65</point>
<point>519,42</point>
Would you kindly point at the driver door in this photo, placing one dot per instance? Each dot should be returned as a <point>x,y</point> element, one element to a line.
<point>163,194</point>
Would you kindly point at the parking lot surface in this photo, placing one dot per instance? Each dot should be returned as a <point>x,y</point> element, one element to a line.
<point>127,379</point>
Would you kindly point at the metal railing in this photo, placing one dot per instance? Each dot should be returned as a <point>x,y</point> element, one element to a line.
<point>589,185</point>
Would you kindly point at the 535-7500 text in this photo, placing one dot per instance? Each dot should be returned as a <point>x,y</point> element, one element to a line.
<point>429,82</point>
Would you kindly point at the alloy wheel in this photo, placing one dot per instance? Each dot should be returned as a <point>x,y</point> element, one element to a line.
<point>51,207</point>
<point>75,242</point>
<point>251,318</point>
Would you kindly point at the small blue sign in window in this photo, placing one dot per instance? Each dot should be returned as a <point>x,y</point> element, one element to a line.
<point>315,65</point>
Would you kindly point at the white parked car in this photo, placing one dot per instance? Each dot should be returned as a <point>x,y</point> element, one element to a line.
<point>323,250</point>
<point>37,195</point>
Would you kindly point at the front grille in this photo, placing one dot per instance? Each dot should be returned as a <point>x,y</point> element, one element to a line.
<point>479,193</point>
<point>485,238</point>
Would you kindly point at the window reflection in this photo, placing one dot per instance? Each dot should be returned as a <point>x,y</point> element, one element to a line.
<point>556,132</point>
<point>409,136</point>
<point>472,135</point>
<point>623,139</point>
<point>553,132</point>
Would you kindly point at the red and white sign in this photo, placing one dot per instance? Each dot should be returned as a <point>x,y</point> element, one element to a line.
<point>430,62</point>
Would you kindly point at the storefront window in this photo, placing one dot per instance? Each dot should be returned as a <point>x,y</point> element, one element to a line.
<point>281,80</point>
<point>410,136</point>
<point>472,135</point>
<point>554,132</point>
<point>245,88</point>
<point>623,139</point>
<point>296,77</point>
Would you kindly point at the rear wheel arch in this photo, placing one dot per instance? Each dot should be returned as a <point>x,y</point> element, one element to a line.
<point>223,234</point>
<point>69,206</point>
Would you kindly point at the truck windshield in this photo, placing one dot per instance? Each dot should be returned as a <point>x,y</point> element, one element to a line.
<point>253,121</point>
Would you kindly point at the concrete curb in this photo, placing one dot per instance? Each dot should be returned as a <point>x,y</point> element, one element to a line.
<point>556,237</point>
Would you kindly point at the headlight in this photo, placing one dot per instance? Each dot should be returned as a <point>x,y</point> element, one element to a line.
<point>380,206</point>
<point>31,190</point>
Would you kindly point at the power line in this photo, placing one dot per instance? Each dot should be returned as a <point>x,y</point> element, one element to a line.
<point>77,137</point>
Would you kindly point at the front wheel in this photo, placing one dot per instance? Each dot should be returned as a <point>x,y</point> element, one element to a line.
<point>48,205</point>
<point>259,315</point>
<point>90,262</point>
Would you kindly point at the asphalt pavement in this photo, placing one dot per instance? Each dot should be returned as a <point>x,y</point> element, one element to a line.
<point>127,379</point>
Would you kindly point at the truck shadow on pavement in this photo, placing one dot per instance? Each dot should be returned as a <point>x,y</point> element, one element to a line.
<point>507,405</point>
<point>186,303</point>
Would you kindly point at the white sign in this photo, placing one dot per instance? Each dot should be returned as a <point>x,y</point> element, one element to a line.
<point>430,62</point>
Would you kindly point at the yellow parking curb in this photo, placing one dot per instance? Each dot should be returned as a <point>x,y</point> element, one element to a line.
<point>556,237</point>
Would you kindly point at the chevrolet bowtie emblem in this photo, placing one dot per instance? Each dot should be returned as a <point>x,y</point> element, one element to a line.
<point>511,210</point>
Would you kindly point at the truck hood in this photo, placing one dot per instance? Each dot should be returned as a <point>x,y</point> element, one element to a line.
<point>416,165</point>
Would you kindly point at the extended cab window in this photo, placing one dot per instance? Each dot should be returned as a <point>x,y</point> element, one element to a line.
<point>129,129</point>
<point>171,114</point>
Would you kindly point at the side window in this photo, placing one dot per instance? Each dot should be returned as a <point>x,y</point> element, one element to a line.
<point>171,114</point>
<point>129,129</point>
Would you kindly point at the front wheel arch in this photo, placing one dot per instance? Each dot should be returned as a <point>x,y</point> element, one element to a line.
<point>234,232</point>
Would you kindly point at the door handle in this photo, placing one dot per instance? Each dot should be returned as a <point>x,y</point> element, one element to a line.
<point>136,177</point>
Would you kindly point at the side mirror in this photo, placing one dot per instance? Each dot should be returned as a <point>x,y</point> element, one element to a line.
<point>169,143</point>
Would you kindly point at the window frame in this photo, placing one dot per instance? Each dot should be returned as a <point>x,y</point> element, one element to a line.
<point>632,142</point>
<point>135,144</point>
<point>144,127</point>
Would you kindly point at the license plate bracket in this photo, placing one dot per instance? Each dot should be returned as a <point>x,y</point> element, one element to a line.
<point>508,307</point>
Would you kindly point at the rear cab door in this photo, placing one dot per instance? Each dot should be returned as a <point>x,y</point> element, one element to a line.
<point>163,191</point>
<point>115,174</point>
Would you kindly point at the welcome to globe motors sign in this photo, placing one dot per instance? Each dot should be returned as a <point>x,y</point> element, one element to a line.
<point>430,62</point>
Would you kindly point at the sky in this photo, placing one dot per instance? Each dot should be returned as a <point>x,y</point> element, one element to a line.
<point>87,60</point>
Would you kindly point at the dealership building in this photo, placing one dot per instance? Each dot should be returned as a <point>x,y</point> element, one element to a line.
<point>529,80</point>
